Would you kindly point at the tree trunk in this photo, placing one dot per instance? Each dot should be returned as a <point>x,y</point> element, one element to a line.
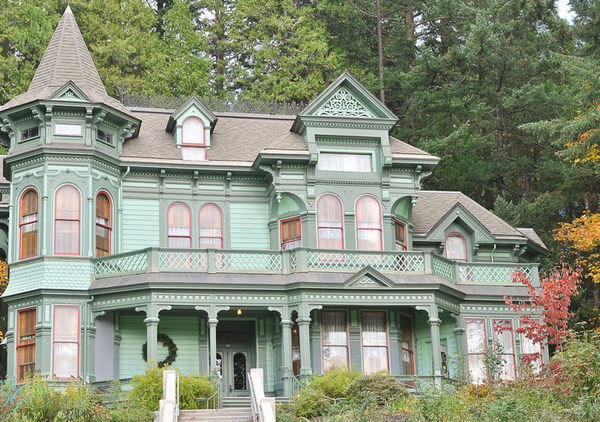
<point>380,50</point>
<point>218,47</point>
<point>596,295</point>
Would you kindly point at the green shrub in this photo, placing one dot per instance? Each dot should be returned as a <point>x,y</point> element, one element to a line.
<point>310,403</point>
<point>378,388</point>
<point>443,404</point>
<point>334,383</point>
<point>191,388</point>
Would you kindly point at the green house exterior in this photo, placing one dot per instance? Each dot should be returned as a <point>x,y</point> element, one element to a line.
<point>256,296</point>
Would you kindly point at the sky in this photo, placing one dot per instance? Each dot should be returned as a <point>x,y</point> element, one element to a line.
<point>564,10</point>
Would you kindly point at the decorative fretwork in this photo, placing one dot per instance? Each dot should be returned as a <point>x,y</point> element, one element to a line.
<point>182,260</point>
<point>442,267</point>
<point>249,261</point>
<point>354,261</point>
<point>344,104</point>
<point>490,273</point>
<point>134,262</point>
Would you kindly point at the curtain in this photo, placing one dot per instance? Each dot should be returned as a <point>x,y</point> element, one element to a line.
<point>329,215</point>
<point>335,340</point>
<point>368,223</point>
<point>374,340</point>
<point>345,162</point>
<point>476,348</point>
<point>211,227</point>
<point>193,131</point>
<point>67,221</point>
<point>103,225</point>
<point>505,339</point>
<point>29,224</point>
<point>179,229</point>
<point>66,342</point>
<point>456,247</point>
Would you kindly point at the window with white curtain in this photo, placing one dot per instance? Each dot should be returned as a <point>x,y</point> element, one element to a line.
<point>65,354</point>
<point>374,342</point>
<point>531,350</point>
<point>179,226</point>
<point>335,340</point>
<point>503,335</point>
<point>330,161</point>
<point>455,247</point>
<point>476,348</point>
<point>329,223</point>
<point>192,131</point>
<point>368,224</point>
<point>210,227</point>
<point>67,221</point>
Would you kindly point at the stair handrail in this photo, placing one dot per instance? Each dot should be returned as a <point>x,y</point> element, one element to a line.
<point>256,413</point>
<point>297,385</point>
<point>216,396</point>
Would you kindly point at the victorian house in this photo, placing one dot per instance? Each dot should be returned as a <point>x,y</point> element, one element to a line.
<point>223,241</point>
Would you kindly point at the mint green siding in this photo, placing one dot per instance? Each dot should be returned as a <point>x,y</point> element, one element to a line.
<point>249,228</point>
<point>141,222</point>
<point>133,336</point>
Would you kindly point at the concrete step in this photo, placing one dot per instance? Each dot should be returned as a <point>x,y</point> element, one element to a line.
<point>219,415</point>
<point>233,402</point>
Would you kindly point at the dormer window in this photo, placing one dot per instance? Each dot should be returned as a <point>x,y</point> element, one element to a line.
<point>192,139</point>
<point>104,137</point>
<point>32,132</point>
<point>456,247</point>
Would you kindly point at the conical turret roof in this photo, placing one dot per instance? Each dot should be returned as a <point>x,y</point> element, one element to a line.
<point>66,59</point>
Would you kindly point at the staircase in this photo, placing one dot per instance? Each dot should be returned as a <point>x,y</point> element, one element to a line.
<point>236,402</point>
<point>230,414</point>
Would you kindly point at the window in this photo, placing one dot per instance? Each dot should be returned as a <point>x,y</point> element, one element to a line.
<point>28,224</point>
<point>361,163</point>
<point>374,342</point>
<point>32,132</point>
<point>103,224</point>
<point>192,131</point>
<point>210,227</point>
<point>25,342</point>
<point>456,247</point>
<point>291,233</point>
<point>531,351</point>
<point>65,339</point>
<point>104,137</point>
<point>66,224</point>
<point>476,348</point>
<point>329,221</point>
<point>368,224</point>
<point>193,153</point>
<point>503,336</point>
<point>408,362</point>
<point>67,130</point>
<point>179,226</point>
<point>400,232</point>
<point>335,340</point>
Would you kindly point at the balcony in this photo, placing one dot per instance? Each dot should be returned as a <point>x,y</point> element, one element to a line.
<point>300,260</point>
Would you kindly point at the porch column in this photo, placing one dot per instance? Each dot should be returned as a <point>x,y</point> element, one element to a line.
<point>436,349</point>
<point>304,326</point>
<point>212,343</point>
<point>286,350</point>
<point>152,339</point>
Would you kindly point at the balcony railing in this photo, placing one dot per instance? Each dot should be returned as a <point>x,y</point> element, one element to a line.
<point>304,260</point>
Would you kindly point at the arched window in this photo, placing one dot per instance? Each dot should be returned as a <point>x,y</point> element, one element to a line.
<point>28,224</point>
<point>210,227</point>
<point>192,131</point>
<point>67,221</point>
<point>329,221</point>
<point>179,226</point>
<point>103,224</point>
<point>368,224</point>
<point>455,247</point>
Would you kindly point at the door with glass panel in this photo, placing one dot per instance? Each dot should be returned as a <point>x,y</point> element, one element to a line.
<point>233,368</point>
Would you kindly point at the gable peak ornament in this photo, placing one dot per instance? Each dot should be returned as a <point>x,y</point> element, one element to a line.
<point>344,104</point>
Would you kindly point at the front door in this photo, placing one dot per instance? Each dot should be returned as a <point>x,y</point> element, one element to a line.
<point>233,368</point>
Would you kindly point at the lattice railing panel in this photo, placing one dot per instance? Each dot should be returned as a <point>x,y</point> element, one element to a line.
<point>121,264</point>
<point>248,261</point>
<point>171,260</point>
<point>490,274</point>
<point>293,260</point>
<point>442,267</point>
<point>354,261</point>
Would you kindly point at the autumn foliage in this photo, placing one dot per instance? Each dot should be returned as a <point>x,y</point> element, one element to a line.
<point>544,316</point>
<point>582,236</point>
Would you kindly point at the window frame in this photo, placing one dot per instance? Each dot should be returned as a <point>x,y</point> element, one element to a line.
<point>410,351</point>
<point>456,234</point>
<point>78,342</point>
<point>467,344</point>
<point>107,135</point>
<point>341,227</point>
<point>380,229</point>
<point>512,335</point>
<point>405,245</point>
<point>68,219</point>
<point>183,142</point>
<point>323,345</point>
<point>18,339</point>
<point>200,224</point>
<point>329,152</point>
<point>21,224</point>
<point>387,339</point>
<point>284,242</point>
<point>27,130</point>
<point>190,225</point>
<point>110,221</point>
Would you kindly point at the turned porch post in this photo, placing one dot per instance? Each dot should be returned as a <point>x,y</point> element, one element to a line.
<point>286,349</point>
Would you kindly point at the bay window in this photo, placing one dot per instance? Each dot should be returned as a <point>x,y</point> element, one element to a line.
<point>67,221</point>
<point>503,336</point>
<point>368,224</point>
<point>291,233</point>
<point>179,226</point>
<point>329,221</point>
<point>335,340</point>
<point>103,224</point>
<point>65,342</point>
<point>374,342</point>
<point>210,227</point>
<point>476,349</point>
<point>25,342</point>
<point>28,224</point>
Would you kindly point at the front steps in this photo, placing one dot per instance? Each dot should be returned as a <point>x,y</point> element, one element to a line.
<point>230,414</point>
<point>235,402</point>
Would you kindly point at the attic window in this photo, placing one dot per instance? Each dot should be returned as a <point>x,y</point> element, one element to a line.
<point>104,137</point>
<point>67,129</point>
<point>361,163</point>
<point>32,132</point>
<point>192,132</point>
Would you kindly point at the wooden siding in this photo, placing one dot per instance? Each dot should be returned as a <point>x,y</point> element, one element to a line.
<point>141,222</point>
<point>249,228</point>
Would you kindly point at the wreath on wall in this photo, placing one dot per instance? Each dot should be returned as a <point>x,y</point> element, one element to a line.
<point>166,342</point>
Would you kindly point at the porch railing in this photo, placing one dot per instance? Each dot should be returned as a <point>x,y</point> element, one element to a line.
<point>302,260</point>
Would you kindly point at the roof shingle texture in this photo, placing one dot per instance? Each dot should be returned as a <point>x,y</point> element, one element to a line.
<point>66,59</point>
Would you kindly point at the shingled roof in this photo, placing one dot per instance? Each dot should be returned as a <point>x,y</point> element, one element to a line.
<point>65,60</point>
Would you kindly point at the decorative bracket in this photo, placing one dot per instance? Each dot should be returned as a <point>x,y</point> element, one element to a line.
<point>212,310</point>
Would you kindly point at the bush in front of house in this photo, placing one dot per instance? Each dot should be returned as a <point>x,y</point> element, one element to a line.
<point>376,388</point>
<point>334,383</point>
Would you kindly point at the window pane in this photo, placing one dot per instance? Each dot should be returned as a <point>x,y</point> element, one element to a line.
<point>67,203</point>
<point>369,240</point>
<point>330,239</point>
<point>505,338</point>
<point>193,153</point>
<point>65,360</point>
<point>477,369</point>
<point>193,131</point>
<point>329,211</point>
<point>103,225</point>
<point>291,234</point>
<point>180,242</point>
<point>456,248</point>
<point>400,232</point>
<point>334,357</point>
<point>67,130</point>
<point>375,359</point>
<point>210,222</point>
<point>179,220</point>
<point>67,237</point>
<point>334,328</point>
<point>102,209</point>
<point>476,336</point>
<point>66,324</point>
<point>367,213</point>
<point>373,329</point>
<point>345,162</point>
